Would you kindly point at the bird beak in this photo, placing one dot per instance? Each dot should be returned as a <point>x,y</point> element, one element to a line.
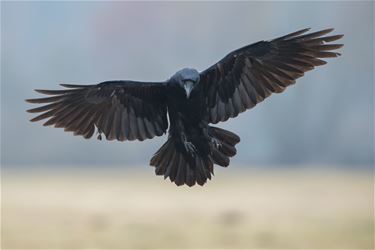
<point>188,86</point>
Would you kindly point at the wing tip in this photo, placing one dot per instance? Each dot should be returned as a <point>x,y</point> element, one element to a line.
<point>42,91</point>
<point>65,85</point>
<point>74,86</point>
<point>292,35</point>
<point>303,30</point>
<point>31,100</point>
<point>328,30</point>
<point>31,111</point>
<point>339,46</point>
<point>339,36</point>
<point>48,123</point>
<point>34,119</point>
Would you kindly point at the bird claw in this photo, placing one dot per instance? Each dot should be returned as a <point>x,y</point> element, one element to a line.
<point>190,147</point>
<point>216,142</point>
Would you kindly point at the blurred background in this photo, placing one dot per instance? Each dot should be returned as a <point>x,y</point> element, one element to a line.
<point>303,174</point>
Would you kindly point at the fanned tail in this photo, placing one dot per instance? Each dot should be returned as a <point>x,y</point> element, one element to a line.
<point>191,167</point>
<point>174,163</point>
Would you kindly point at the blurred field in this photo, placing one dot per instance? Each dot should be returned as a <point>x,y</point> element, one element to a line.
<point>86,208</point>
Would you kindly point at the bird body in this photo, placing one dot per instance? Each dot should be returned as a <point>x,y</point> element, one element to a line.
<point>190,101</point>
<point>191,140</point>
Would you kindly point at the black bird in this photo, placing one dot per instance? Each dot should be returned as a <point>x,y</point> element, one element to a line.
<point>130,110</point>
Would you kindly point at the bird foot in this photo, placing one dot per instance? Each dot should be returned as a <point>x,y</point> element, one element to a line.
<point>216,142</point>
<point>189,147</point>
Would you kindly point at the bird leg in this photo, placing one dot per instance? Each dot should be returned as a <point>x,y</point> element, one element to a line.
<point>189,147</point>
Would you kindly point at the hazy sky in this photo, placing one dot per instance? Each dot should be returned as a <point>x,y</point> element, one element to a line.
<point>327,118</point>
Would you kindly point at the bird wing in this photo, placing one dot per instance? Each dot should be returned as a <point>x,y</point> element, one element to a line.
<point>122,110</point>
<point>248,75</point>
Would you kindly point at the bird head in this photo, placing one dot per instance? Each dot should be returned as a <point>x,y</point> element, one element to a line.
<point>187,79</point>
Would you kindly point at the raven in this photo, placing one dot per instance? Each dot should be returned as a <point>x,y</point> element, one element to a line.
<point>131,110</point>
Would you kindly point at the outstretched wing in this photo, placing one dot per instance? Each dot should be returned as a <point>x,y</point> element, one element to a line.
<point>248,75</point>
<point>122,110</point>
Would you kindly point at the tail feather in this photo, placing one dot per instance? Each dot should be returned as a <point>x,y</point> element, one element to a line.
<point>181,171</point>
<point>158,155</point>
<point>161,158</point>
<point>202,173</point>
<point>181,168</point>
<point>172,162</point>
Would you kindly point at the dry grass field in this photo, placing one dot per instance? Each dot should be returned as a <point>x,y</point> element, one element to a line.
<point>107,209</point>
